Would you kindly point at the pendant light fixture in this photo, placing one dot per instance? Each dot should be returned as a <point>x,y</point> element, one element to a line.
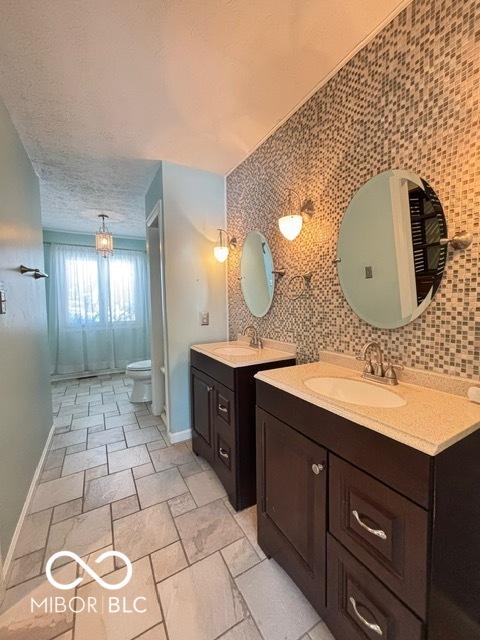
<point>104,239</point>
<point>223,246</point>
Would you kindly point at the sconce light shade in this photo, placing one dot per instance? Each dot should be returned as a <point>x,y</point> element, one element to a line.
<point>223,246</point>
<point>290,226</point>
<point>104,239</point>
<point>221,253</point>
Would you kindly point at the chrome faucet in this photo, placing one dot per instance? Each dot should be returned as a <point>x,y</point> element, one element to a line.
<point>375,369</point>
<point>255,341</point>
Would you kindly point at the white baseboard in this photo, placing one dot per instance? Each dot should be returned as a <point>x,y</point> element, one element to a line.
<point>179,436</point>
<point>26,507</point>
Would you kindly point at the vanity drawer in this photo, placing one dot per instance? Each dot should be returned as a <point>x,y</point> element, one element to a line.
<point>224,404</point>
<point>225,457</point>
<point>359,606</point>
<point>384,530</point>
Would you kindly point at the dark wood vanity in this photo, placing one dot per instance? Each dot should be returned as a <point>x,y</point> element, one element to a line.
<point>383,539</point>
<point>223,421</point>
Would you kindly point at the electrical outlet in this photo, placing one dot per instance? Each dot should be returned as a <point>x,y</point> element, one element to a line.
<point>204,318</point>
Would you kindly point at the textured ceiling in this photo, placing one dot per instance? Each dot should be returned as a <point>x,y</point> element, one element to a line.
<point>101,89</point>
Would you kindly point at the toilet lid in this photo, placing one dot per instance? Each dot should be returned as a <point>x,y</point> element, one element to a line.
<point>142,365</point>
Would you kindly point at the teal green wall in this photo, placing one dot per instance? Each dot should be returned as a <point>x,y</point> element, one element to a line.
<point>63,237</point>
<point>25,399</point>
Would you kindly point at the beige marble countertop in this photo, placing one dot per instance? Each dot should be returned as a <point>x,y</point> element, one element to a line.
<point>430,421</point>
<point>272,351</point>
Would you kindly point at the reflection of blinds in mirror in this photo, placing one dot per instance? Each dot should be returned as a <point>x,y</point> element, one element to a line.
<point>428,227</point>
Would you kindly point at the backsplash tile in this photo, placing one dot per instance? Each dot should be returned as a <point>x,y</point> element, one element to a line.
<point>409,100</point>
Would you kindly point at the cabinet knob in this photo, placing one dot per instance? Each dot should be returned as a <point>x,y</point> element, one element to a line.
<point>209,389</point>
<point>316,468</point>
<point>223,453</point>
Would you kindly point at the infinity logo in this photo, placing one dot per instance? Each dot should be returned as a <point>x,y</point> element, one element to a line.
<point>87,569</point>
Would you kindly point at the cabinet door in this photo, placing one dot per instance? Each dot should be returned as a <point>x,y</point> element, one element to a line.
<point>292,494</point>
<point>203,391</point>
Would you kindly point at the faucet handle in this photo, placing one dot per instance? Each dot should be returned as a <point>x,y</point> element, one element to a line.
<point>390,372</point>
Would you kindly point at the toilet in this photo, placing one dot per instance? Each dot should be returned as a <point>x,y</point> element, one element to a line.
<point>141,374</point>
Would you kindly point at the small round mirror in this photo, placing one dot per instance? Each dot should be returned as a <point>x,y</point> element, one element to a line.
<point>390,259</point>
<point>256,274</point>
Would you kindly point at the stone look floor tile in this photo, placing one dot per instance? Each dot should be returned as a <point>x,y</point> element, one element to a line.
<point>106,489</point>
<point>189,469</point>
<point>84,460</point>
<point>247,519</point>
<point>116,446</point>
<point>181,504</point>
<point>114,626</point>
<point>89,421</point>
<point>121,420</point>
<point>106,436</point>
<point>54,459</point>
<point>320,632</point>
<point>143,470</point>
<point>57,491</point>
<point>159,487</point>
<point>168,561</point>
<point>206,530</point>
<point>157,633</point>
<point>171,456</point>
<point>127,458</point>
<point>142,436</point>
<point>246,630</point>
<point>101,568</point>
<point>50,474</point>
<point>67,510</point>
<point>96,472</point>
<point>201,602</point>
<point>240,556</point>
<point>67,439</point>
<point>277,605</point>
<point>81,534</point>
<point>26,567</point>
<point>76,448</point>
<point>125,507</point>
<point>156,445</point>
<point>205,487</point>
<point>149,421</point>
<point>16,614</point>
<point>143,532</point>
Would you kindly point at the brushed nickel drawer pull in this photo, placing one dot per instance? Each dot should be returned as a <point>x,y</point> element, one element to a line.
<point>223,453</point>
<point>316,468</point>
<point>375,532</point>
<point>222,408</point>
<point>370,625</point>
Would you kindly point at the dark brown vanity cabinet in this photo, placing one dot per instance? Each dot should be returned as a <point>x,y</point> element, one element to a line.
<point>383,539</point>
<point>223,422</point>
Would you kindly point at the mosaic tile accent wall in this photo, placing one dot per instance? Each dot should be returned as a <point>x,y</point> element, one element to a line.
<point>411,100</point>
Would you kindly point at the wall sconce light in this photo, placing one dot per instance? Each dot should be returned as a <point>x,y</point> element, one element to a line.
<point>291,224</point>
<point>104,239</point>
<point>223,246</point>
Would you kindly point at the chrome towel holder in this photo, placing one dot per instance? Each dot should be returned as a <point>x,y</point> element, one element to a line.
<point>36,273</point>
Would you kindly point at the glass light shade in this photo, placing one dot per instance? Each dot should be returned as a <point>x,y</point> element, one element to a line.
<point>104,243</point>
<point>221,253</point>
<point>290,226</point>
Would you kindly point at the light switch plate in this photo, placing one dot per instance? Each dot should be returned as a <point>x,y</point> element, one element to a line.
<point>204,318</point>
<point>3,300</point>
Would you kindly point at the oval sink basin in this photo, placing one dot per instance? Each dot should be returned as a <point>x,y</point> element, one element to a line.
<point>355,392</point>
<point>235,351</point>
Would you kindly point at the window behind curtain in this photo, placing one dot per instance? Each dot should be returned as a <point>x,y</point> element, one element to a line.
<point>101,290</point>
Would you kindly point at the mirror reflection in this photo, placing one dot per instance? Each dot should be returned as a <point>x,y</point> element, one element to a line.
<point>390,260</point>
<point>256,274</point>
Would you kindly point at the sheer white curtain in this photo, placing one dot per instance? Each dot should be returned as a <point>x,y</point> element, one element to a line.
<point>97,309</point>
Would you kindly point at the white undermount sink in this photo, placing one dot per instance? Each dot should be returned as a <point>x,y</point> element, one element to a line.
<point>355,392</point>
<point>235,351</point>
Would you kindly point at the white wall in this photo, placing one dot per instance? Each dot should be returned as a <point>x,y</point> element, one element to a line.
<point>194,207</point>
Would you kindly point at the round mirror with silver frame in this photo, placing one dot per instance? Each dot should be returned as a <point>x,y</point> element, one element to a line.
<point>257,277</point>
<point>391,250</point>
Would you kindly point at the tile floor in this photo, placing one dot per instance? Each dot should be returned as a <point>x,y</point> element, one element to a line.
<point>110,481</point>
